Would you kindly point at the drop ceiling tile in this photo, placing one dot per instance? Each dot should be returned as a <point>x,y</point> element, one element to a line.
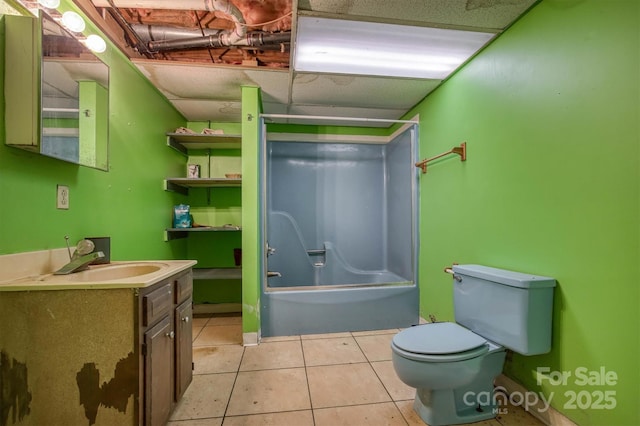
<point>496,14</point>
<point>205,110</point>
<point>198,81</point>
<point>274,108</point>
<point>359,91</point>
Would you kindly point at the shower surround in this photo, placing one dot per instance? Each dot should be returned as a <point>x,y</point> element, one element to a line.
<point>340,236</point>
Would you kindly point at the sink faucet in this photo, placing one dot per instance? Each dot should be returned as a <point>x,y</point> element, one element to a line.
<point>79,263</point>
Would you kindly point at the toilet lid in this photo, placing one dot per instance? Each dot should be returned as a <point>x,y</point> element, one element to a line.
<point>438,338</point>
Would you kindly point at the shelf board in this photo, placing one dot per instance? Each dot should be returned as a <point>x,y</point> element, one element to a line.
<point>205,182</point>
<point>217,273</point>
<point>175,233</point>
<point>183,142</point>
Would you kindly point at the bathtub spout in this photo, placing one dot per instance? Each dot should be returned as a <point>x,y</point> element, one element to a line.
<point>271,274</point>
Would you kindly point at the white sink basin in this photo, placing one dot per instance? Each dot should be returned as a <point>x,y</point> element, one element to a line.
<point>108,273</point>
<point>135,272</point>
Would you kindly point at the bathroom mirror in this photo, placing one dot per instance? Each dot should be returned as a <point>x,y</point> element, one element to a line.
<point>67,116</point>
<point>75,99</point>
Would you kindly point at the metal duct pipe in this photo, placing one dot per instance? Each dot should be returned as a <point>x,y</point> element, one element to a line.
<point>225,6</point>
<point>253,39</point>
<point>149,33</point>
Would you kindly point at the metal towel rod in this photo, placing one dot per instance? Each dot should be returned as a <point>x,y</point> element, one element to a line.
<point>460,150</point>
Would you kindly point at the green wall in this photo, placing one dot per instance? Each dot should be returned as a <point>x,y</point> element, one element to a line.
<point>251,258</point>
<point>126,203</point>
<point>550,113</point>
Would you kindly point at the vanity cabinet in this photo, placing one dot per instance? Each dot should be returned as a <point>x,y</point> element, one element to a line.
<point>113,354</point>
<point>166,350</point>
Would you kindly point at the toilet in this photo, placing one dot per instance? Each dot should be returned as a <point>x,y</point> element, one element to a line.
<point>453,365</point>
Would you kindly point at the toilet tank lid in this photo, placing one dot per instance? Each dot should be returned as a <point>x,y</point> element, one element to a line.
<point>438,338</point>
<point>502,276</point>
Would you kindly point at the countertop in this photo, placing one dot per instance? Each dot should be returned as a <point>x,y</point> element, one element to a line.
<point>85,281</point>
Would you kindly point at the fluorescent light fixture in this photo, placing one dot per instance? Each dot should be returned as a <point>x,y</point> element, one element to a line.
<point>73,21</point>
<point>367,48</point>
<point>95,43</point>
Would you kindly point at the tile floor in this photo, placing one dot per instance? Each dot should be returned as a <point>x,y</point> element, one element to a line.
<point>322,380</point>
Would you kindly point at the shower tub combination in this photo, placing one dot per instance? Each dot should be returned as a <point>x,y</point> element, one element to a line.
<point>339,236</point>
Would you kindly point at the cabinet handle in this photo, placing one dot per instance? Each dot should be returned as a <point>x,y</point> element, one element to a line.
<point>170,334</point>
<point>185,319</point>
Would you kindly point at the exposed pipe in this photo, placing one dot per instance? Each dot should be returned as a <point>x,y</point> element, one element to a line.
<point>128,31</point>
<point>228,38</point>
<point>149,33</point>
<point>253,39</point>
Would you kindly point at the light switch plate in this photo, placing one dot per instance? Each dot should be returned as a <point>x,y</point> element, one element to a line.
<point>62,199</point>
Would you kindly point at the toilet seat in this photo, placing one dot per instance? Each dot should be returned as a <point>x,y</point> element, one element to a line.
<point>439,342</point>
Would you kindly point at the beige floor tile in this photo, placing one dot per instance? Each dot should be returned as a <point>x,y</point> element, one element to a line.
<point>385,414</point>
<point>219,335</point>
<point>372,332</point>
<point>225,320</point>
<point>410,416</point>
<point>292,418</point>
<point>268,356</point>
<point>206,397</point>
<point>325,336</point>
<point>396,387</point>
<point>376,347</point>
<point>269,391</point>
<point>216,421</point>
<point>217,359</point>
<point>199,322</point>
<point>342,350</point>
<point>278,339</point>
<point>195,332</point>
<point>345,384</point>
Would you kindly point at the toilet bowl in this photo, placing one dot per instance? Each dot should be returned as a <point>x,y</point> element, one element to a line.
<point>453,365</point>
<point>452,369</point>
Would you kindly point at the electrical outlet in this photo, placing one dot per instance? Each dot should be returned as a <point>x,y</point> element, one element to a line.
<point>62,199</point>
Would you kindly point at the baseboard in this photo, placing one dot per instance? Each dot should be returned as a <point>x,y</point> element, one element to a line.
<point>250,339</point>
<point>550,416</point>
<point>217,308</point>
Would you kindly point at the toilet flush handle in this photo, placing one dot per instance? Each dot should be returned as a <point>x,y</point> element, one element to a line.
<point>449,270</point>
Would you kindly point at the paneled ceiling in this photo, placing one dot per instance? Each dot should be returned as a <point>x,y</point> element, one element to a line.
<point>195,65</point>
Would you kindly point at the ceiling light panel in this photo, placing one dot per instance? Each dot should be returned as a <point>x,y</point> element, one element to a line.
<point>366,48</point>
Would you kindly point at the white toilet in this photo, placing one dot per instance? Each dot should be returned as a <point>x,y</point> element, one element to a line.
<point>453,365</point>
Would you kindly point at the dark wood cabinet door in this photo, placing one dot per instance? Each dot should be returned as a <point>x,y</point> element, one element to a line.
<point>159,347</point>
<point>184,347</point>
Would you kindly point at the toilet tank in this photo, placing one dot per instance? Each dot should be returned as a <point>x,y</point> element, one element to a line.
<point>510,308</point>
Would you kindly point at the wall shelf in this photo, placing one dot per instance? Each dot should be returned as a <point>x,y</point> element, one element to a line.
<point>175,233</point>
<point>217,273</point>
<point>183,142</point>
<point>182,185</point>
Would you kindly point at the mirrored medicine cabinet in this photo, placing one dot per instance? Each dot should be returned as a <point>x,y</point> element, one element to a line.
<point>56,92</point>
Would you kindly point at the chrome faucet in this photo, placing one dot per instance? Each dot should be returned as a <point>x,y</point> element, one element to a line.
<point>79,263</point>
<point>81,258</point>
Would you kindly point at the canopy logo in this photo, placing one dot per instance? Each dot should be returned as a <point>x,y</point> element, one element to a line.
<point>582,399</point>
